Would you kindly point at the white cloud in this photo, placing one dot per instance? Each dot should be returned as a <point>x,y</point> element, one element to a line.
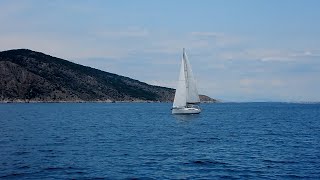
<point>265,54</point>
<point>218,39</point>
<point>59,45</point>
<point>123,33</point>
<point>252,82</point>
<point>289,56</point>
<point>208,34</point>
<point>275,58</point>
<point>228,66</point>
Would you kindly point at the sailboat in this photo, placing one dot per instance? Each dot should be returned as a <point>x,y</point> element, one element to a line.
<point>186,98</point>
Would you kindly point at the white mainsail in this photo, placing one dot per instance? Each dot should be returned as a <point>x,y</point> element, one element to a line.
<point>186,91</point>
<point>192,91</point>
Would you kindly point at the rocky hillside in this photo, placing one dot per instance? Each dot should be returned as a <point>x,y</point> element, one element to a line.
<point>27,76</point>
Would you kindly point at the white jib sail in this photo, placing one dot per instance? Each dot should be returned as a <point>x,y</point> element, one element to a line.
<point>180,97</point>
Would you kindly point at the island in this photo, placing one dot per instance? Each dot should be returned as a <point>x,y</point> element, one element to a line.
<point>29,76</point>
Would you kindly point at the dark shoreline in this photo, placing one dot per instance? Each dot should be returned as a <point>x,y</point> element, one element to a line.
<point>33,102</point>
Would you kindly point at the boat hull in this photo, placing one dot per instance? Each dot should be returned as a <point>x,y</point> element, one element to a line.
<point>186,111</point>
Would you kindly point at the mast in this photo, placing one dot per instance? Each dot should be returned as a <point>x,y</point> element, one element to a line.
<point>180,98</point>
<point>185,70</point>
<point>186,91</point>
<point>191,87</point>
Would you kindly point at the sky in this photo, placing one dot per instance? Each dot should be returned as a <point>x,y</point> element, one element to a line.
<point>243,51</point>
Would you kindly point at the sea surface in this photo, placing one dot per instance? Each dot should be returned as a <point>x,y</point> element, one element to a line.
<point>144,141</point>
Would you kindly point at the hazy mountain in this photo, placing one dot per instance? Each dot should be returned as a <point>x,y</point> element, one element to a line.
<point>26,76</point>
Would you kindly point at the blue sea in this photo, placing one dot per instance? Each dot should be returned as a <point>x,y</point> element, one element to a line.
<point>144,141</point>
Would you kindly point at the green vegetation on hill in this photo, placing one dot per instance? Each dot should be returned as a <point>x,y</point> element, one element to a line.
<point>26,75</point>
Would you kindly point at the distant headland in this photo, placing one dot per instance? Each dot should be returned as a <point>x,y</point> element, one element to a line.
<point>29,76</point>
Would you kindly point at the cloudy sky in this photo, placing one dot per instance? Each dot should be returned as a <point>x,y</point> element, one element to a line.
<point>248,50</point>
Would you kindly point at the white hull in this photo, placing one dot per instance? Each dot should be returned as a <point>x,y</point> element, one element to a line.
<point>186,110</point>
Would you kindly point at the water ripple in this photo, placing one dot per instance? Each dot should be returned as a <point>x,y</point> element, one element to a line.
<point>144,141</point>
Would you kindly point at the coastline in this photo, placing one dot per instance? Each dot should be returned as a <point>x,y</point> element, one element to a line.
<point>107,101</point>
